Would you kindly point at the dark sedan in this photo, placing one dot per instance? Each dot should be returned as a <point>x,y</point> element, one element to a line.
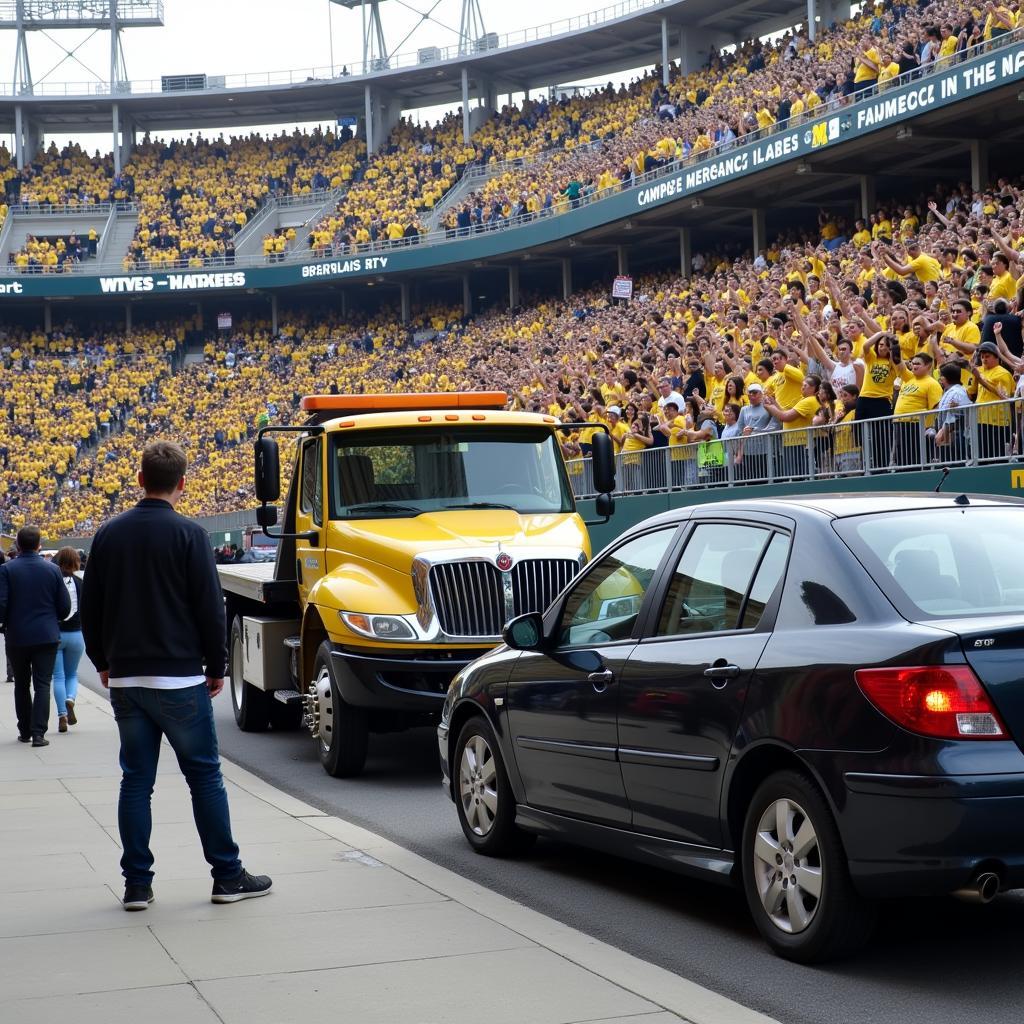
<point>820,699</point>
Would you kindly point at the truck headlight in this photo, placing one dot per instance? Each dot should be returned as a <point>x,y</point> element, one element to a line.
<point>378,627</point>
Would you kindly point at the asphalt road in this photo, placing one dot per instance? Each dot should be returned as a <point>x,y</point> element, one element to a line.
<point>933,962</point>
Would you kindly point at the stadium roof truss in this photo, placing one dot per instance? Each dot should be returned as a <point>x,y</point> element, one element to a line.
<point>50,16</point>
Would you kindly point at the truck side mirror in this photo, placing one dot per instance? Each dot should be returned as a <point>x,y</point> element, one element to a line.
<point>602,462</point>
<point>268,470</point>
<point>266,516</point>
<point>604,506</point>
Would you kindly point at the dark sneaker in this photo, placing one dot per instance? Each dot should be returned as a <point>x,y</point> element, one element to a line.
<point>24,739</point>
<point>72,719</point>
<point>40,741</point>
<point>137,897</point>
<point>244,887</point>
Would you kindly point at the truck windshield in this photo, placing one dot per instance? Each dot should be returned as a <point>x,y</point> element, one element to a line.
<point>407,472</point>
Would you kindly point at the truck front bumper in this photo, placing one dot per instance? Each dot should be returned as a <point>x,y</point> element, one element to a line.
<point>396,684</point>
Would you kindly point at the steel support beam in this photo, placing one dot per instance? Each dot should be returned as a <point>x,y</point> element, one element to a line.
<point>406,301</point>
<point>685,253</point>
<point>664,50</point>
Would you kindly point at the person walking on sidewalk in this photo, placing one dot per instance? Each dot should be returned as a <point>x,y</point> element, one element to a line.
<point>72,644</point>
<point>154,625</point>
<point>33,601</point>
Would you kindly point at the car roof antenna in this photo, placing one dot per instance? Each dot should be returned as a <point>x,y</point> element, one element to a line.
<point>942,480</point>
<point>961,499</point>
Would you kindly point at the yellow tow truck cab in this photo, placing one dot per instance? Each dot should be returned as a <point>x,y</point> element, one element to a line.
<point>414,527</point>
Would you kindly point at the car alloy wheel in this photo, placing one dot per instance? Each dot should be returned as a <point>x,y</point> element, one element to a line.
<point>478,785</point>
<point>788,866</point>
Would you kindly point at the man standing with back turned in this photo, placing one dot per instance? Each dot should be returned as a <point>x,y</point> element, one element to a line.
<point>33,602</point>
<point>153,619</point>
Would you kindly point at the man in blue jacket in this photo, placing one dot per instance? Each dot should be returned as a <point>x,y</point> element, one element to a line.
<point>33,602</point>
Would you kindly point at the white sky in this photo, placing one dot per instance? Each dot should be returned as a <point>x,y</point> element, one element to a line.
<point>226,37</point>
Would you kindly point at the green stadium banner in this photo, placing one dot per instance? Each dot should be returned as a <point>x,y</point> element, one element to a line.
<point>953,84</point>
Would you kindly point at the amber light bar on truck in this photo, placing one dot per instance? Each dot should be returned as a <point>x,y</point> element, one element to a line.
<point>328,406</point>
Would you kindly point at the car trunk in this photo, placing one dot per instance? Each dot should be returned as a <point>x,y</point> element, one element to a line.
<point>994,648</point>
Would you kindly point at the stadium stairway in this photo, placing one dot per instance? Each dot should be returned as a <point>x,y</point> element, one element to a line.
<point>300,212</point>
<point>116,236</point>
<point>473,178</point>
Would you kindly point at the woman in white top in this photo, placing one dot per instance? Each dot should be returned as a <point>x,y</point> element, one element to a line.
<point>72,644</point>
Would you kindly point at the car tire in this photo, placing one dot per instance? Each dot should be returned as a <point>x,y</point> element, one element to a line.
<point>343,752</point>
<point>789,833</point>
<point>483,795</point>
<point>251,706</point>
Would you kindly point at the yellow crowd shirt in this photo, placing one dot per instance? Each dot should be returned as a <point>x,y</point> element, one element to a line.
<point>879,376</point>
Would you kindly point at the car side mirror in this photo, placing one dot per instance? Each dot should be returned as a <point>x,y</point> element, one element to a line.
<point>602,457</point>
<point>525,632</point>
<point>268,471</point>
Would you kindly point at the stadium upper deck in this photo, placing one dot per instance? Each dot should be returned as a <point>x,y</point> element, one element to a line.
<point>626,35</point>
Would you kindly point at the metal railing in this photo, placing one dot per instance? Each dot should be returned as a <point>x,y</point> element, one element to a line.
<point>353,68</point>
<point>587,196</point>
<point>70,209</point>
<point>970,435</point>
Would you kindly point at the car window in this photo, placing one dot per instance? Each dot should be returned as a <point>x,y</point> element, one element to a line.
<point>939,562</point>
<point>769,575</point>
<point>604,605</point>
<point>706,591</point>
<point>311,494</point>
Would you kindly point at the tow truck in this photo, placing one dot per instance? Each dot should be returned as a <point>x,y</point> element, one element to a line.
<point>414,526</point>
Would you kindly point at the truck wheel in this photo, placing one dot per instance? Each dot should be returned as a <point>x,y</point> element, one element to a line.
<point>796,876</point>
<point>483,796</point>
<point>344,729</point>
<point>251,706</point>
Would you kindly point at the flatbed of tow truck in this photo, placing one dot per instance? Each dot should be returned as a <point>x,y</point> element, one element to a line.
<point>255,581</point>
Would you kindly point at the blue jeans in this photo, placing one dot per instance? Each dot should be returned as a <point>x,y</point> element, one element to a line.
<point>65,669</point>
<point>185,717</point>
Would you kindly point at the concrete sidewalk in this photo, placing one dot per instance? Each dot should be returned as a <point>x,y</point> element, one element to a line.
<point>356,927</point>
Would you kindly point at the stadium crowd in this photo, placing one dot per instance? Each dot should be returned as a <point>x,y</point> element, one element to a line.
<point>914,313</point>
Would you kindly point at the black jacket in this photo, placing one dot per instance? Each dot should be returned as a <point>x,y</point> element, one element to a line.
<point>33,600</point>
<point>151,599</point>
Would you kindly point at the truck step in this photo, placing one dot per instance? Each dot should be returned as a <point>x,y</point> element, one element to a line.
<point>293,642</point>
<point>288,696</point>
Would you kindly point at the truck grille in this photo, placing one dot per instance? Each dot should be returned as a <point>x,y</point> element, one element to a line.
<point>473,599</point>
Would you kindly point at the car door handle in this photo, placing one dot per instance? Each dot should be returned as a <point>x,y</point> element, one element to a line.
<point>719,671</point>
<point>601,679</point>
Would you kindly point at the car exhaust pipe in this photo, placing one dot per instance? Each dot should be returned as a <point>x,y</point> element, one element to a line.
<point>983,889</point>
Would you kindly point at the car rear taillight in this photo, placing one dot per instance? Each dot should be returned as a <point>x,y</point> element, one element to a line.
<point>946,701</point>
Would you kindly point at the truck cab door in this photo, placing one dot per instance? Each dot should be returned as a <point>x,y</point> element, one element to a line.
<point>309,517</point>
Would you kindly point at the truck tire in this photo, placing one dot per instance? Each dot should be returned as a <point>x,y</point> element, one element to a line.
<point>343,751</point>
<point>251,706</point>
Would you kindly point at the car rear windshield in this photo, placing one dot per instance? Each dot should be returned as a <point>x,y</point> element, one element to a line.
<point>944,562</point>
